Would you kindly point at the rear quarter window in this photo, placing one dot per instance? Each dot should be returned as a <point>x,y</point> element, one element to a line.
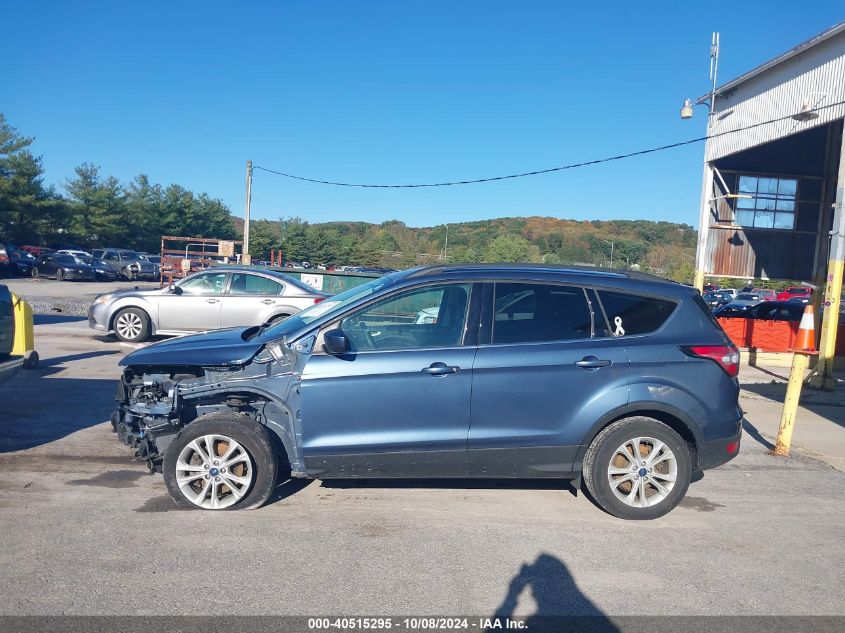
<point>630,314</point>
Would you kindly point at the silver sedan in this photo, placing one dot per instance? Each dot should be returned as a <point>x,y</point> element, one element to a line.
<point>217,298</point>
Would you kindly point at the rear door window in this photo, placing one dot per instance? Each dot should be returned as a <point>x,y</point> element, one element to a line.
<point>630,314</point>
<point>535,313</point>
<point>246,284</point>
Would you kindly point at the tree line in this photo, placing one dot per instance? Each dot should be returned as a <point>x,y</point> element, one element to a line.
<point>92,209</point>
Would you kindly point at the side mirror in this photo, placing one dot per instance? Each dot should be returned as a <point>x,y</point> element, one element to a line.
<point>176,289</point>
<point>335,342</point>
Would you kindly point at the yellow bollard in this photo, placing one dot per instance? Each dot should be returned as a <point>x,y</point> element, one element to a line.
<point>24,344</point>
<point>805,346</point>
<point>800,362</point>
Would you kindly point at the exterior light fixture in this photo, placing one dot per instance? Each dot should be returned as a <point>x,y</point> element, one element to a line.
<point>686,110</point>
<point>807,113</point>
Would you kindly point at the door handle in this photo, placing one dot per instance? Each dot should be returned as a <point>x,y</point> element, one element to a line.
<point>440,369</point>
<point>268,302</point>
<point>592,362</point>
<point>212,300</point>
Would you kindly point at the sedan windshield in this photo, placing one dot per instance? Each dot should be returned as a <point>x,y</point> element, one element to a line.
<point>330,306</point>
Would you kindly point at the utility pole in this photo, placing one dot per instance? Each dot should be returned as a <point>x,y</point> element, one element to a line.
<point>823,374</point>
<point>611,251</point>
<point>246,257</point>
<point>446,244</point>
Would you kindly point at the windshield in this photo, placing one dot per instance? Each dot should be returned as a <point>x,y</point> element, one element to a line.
<point>744,296</point>
<point>331,305</point>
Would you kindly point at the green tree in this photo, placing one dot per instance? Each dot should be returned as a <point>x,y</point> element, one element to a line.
<point>98,211</point>
<point>509,248</point>
<point>28,211</point>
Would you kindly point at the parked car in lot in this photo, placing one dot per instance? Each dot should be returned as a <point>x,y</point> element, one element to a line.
<point>743,302</point>
<point>21,263</point>
<point>37,251</point>
<point>716,299</point>
<point>621,378</point>
<point>5,261</point>
<point>220,297</point>
<point>128,264</point>
<point>74,252</point>
<point>770,311</point>
<point>62,268</point>
<point>802,293</point>
<point>102,271</point>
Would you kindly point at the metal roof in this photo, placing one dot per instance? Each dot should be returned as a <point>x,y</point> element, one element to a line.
<point>783,57</point>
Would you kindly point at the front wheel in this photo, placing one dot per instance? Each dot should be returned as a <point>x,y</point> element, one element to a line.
<point>221,462</point>
<point>128,274</point>
<point>637,468</point>
<point>34,272</point>
<point>132,325</point>
<point>60,275</point>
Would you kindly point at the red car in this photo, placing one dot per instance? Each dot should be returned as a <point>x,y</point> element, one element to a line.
<point>795,292</point>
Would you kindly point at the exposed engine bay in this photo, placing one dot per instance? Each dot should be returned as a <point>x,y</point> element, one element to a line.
<point>154,403</point>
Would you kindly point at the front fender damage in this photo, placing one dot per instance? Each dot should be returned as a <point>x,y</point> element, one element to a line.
<point>155,402</point>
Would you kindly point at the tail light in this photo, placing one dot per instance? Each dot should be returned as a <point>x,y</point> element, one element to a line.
<point>726,356</point>
<point>319,299</point>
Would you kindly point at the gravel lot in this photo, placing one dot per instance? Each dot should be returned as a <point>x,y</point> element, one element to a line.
<point>88,531</point>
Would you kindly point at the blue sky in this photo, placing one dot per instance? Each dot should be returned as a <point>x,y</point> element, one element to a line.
<point>387,91</point>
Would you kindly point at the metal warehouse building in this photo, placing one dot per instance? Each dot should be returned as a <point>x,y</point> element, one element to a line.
<point>774,172</point>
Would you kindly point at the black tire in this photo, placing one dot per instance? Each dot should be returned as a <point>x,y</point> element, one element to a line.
<point>602,450</point>
<point>131,325</point>
<point>60,275</point>
<point>34,272</point>
<point>250,435</point>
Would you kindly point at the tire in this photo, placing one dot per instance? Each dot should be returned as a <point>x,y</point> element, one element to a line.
<point>60,275</point>
<point>257,460</point>
<point>34,272</point>
<point>672,461</point>
<point>128,274</point>
<point>131,325</point>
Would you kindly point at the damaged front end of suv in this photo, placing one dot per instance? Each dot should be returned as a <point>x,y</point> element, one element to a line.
<point>223,377</point>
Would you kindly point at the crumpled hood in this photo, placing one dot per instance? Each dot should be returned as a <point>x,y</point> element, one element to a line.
<point>215,348</point>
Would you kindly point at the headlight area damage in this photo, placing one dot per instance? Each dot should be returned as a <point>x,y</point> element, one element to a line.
<point>156,402</point>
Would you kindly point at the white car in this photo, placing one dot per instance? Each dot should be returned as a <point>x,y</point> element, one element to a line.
<point>75,253</point>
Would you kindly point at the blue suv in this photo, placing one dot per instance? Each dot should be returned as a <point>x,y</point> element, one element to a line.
<point>621,380</point>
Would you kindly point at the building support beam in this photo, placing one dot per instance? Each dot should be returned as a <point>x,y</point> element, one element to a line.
<point>823,375</point>
<point>701,263</point>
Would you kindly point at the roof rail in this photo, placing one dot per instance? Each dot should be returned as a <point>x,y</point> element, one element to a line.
<point>578,270</point>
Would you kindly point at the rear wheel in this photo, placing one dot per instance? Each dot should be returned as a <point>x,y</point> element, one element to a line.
<point>637,468</point>
<point>221,462</point>
<point>132,325</point>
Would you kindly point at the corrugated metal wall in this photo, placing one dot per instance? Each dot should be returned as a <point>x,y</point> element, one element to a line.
<point>760,253</point>
<point>781,92</point>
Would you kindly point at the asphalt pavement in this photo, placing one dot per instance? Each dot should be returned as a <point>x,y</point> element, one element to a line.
<point>88,531</point>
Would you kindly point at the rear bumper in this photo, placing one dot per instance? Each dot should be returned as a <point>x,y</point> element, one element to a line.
<point>714,453</point>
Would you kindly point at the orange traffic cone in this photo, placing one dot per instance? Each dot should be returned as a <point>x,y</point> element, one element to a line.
<point>805,341</point>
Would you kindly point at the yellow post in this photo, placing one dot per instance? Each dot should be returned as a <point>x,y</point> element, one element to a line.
<point>823,376</point>
<point>24,344</point>
<point>800,362</point>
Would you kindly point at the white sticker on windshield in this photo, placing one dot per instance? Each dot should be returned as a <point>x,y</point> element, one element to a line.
<point>619,330</point>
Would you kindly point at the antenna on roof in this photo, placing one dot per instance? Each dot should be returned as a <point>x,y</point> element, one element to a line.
<point>714,68</point>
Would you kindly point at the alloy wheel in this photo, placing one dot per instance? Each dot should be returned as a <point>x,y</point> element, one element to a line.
<point>642,472</point>
<point>128,325</point>
<point>214,472</point>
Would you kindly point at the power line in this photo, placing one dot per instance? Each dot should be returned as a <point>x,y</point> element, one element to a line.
<point>538,172</point>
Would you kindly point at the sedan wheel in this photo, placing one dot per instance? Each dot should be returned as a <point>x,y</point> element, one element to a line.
<point>60,275</point>
<point>132,325</point>
<point>34,272</point>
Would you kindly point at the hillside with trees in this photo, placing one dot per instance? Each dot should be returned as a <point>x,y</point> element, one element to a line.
<point>94,209</point>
